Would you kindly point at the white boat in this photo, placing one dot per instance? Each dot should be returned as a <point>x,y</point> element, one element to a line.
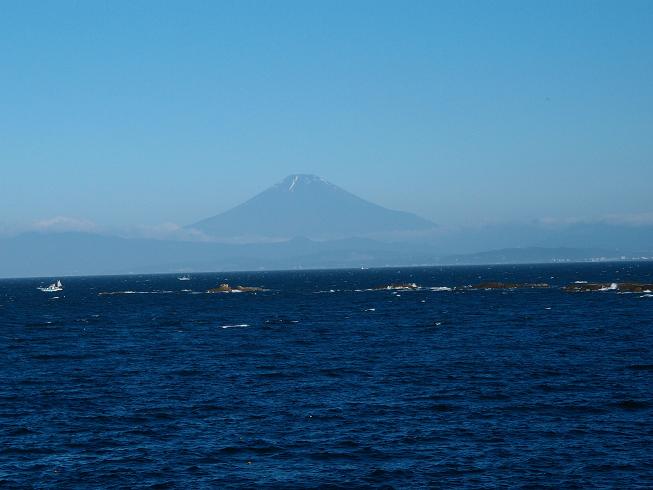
<point>53,288</point>
<point>184,278</point>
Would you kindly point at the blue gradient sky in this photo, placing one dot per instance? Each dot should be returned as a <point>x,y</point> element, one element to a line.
<point>127,113</point>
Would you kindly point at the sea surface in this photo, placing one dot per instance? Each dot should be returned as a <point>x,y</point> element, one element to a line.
<point>322,382</point>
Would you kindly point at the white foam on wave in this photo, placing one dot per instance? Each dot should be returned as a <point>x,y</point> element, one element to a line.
<point>646,296</point>
<point>370,309</point>
<point>612,287</point>
<point>240,325</point>
<point>580,282</point>
<point>440,288</point>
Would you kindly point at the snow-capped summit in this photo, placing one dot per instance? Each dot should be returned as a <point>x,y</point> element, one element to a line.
<point>308,206</point>
<point>293,182</point>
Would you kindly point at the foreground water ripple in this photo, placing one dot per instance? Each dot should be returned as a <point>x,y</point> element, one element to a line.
<point>352,388</point>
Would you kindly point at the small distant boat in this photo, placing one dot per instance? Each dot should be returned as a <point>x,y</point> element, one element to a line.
<point>53,288</point>
<point>184,278</point>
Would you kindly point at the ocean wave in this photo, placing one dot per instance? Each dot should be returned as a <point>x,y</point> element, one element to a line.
<point>111,293</point>
<point>280,321</point>
<point>399,289</point>
<point>240,325</point>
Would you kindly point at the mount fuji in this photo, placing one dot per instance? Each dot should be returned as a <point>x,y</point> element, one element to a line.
<point>308,206</point>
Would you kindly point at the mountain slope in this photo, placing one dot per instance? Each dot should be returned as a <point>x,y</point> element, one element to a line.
<point>308,206</point>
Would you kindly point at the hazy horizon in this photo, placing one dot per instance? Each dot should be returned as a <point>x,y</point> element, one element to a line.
<point>119,116</point>
<point>171,230</point>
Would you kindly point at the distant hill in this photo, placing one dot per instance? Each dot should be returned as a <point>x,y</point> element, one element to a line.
<point>308,206</point>
<point>60,254</point>
<point>73,253</point>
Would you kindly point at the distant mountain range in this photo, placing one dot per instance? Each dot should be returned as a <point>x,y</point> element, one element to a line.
<point>308,206</point>
<point>306,222</point>
<point>59,254</point>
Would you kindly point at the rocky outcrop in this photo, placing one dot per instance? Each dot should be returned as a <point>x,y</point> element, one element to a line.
<point>634,287</point>
<point>226,288</point>
<point>509,285</point>
<point>623,287</point>
<point>583,287</point>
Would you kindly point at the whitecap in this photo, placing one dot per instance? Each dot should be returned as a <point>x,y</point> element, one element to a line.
<point>440,288</point>
<point>240,325</point>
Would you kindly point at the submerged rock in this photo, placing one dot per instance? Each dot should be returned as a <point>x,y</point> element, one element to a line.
<point>509,285</point>
<point>226,288</point>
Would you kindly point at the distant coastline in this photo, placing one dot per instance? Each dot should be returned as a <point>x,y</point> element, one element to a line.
<point>204,272</point>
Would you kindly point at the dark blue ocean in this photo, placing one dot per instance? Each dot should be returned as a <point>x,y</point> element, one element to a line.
<point>320,383</point>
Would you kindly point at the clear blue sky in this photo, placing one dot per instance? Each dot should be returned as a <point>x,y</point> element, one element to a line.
<point>129,113</point>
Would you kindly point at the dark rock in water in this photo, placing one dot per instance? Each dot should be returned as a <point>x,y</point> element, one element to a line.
<point>634,287</point>
<point>623,287</point>
<point>409,286</point>
<point>587,287</point>
<point>226,288</point>
<point>509,285</point>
